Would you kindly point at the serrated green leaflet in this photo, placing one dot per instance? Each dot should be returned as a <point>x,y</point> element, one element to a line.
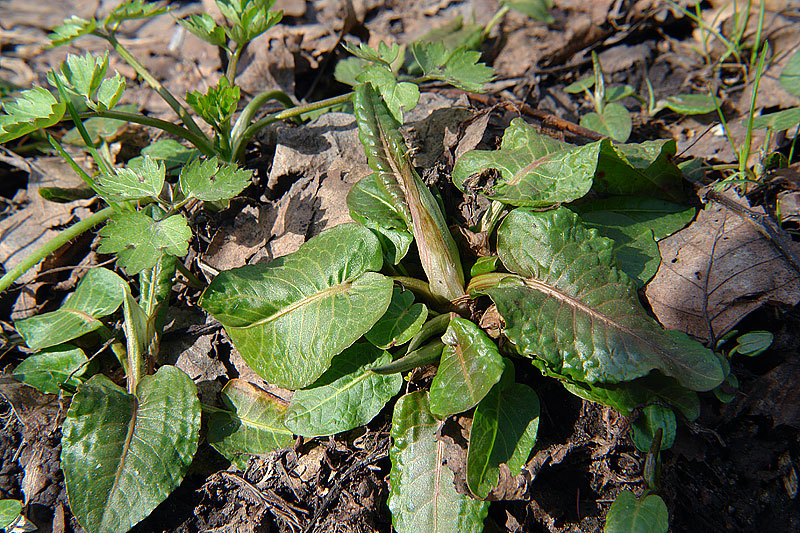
<point>790,77</point>
<point>82,74</point>
<point>253,424</point>
<point>211,181</point>
<point>346,396</point>
<point>537,9</point>
<point>371,206</point>
<point>635,224</point>
<point>458,67</point>
<point>204,26</point>
<point>123,454</point>
<point>778,121</point>
<point>71,29</point>
<point>402,320</point>
<point>144,181</point>
<point>503,431</point>
<point>248,19</point>
<point>133,9</point>
<point>99,294</point>
<point>34,109</point>
<point>139,241</point>
<point>629,515</point>
<point>384,54</point>
<point>535,170</point>
<point>47,370</point>
<point>577,312</point>
<point>9,511</point>
<point>387,155</point>
<point>218,103</point>
<point>614,122</point>
<point>469,367</point>
<point>397,96</point>
<point>643,169</point>
<point>288,318</point>
<point>651,419</point>
<point>422,496</point>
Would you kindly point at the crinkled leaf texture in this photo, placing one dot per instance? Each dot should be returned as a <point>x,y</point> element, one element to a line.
<point>346,396</point>
<point>423,496</point>
<point>252,425</point>
<point>470,365</point>
<point>504,429</point>
<point>34,109</point>
<point>643,169</point>
<point>47,370</point>
<point>535,170</point>
<point>140,242</point>
<point>98,294</point>
<point>629,515</point>
<point>144,181</point>
<point>402,320</point>
<point>289,317</point>
<point>579,314</point>
<point>459,67</point>
<point>122,454</point>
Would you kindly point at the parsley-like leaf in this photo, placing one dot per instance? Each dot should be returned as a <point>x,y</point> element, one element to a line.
<point>399,97</point>
<point>384,54</point>
<point>211,181</point>
<point>144,181</point>
<point>133,9</point>
<point>139,241</point>
<point>34,109</point>
<point>71,29</point>
<point>458,67</point>
<point>217,105</point>
<point>248,18</point>
<point>204,26</point>
<point>81,75</point>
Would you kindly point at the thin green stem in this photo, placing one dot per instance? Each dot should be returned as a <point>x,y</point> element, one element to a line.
<point>748,139</point>
<point>252,108</point>
<point>200,141</point>
<point>193,280</point>
<point>54,244</point>
<point>495,20</point>
<point>140,69</point>
<point>233,63</point>
<point>296,111</point>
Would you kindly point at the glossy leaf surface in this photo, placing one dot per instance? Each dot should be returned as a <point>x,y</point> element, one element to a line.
<point>402,320</point>
<point>98,294</point>
<point>422,496</point>
<point>580,314</point>
<point>642,169</point>
<point>47,370</point>
<point>470,365</point>
<point>122,454</point>
<point>503,431</point>
<point>535,169</point>
<point>289,317</point>
<point>346,396</point>
<point>253,423</point>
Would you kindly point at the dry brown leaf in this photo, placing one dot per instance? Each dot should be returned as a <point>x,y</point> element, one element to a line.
<point>716,271</point>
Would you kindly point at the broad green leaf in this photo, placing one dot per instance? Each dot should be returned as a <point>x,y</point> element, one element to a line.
<point>211,181</point>
<point>402,320</point>
<point>629,515</point>
<point>99,128</point>
<point>387,155</point>
<point>398,96</point>
<point>778,121</point>
<point>122,454</point>
<point>289,317</point>
<point>537,9</point>
<point>459,67</point>
<point>484,265</point>
<point>652,418</point>
<point>9,511</point>
<point>687,104</point>
<point>346,396</point>
<point>618,92</point>
<point>635,224</point>
<point>204,26</point>
<point>217,105</point>
<point>535,170</point>
<point>253,425</point>
<point>47,370</point>
<point>98,294</point>
<point>614,121</point>
<point>583,84</point>
<point>790,77</point>
<point>625,397</point>
<point>469,367</point>
<point>371,206</point>
<point>578,313</point>
<point>171,152</point>
<point>503,431</point>
<point>425,355</point>
<point>133,9</point>
<point>71,29</point>
<point>423,496</point>
<point>753,343</point>
<point>727,390</point>
<point>82,74</point>
<point>139,241</point>
<point>643,169</point>
<point>34,109</point>
<point>144,181</point>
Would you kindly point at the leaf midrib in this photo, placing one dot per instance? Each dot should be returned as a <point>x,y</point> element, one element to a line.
<point>122,460</point>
